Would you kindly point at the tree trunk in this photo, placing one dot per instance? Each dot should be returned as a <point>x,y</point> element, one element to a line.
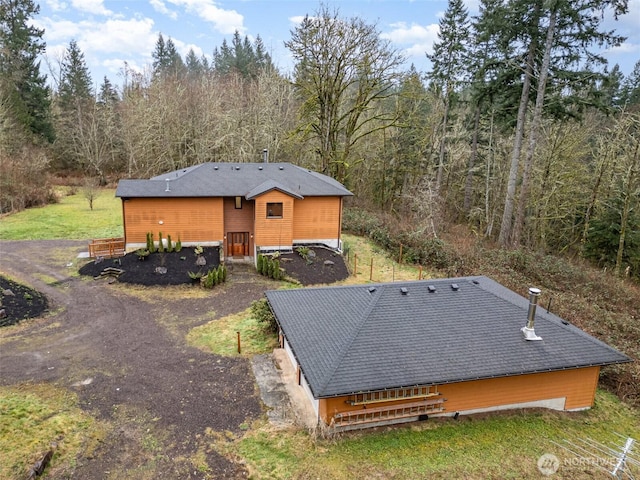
<point>468,187</point>
<point>533,134</point>
<point>507,214</point>
<point>443,141</point>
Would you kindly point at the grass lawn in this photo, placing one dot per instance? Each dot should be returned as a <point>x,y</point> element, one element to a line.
<point>70,219</point>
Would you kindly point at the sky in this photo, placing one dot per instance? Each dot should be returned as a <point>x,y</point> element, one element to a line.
<point>112,32</point>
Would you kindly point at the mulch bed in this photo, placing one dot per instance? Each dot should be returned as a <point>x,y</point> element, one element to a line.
<point>19,302</point>
<point>322,266</point>
<point>147,271</point>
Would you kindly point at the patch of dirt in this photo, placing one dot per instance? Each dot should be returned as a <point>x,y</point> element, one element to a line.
<point>175,266</point>
<point>322,266</point>
<point>19,302</point>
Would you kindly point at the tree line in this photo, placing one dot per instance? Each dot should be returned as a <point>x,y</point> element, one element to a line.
<point>520,129</point>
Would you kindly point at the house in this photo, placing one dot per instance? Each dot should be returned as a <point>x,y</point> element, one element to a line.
<point>243,207</point>
<point>376,354</point>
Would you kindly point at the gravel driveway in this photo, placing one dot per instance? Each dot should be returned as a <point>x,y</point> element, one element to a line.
<point>127,359</point>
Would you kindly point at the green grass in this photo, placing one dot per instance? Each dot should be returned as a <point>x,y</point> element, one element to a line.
<point>505,445</point>
<point>34,416</point>
<point>70,219</point>
<point>220,336</point>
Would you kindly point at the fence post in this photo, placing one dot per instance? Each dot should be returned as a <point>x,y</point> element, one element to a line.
<point>400,258</point>
<point>239,349</point>
<point>371,270</point>
<point>420,274</point>
<point>355,264</point>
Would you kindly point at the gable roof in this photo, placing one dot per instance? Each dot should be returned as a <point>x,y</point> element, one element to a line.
<point>232,180</point>
<point>361,338</point>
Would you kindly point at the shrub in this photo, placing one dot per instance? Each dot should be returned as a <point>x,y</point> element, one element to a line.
<point>142,253</point>
<point>151,246</point>
<point>160,244</point>
<point>169,244</point>
<point>260,264</point>
<point>178,245</point>
<point>261,311</point>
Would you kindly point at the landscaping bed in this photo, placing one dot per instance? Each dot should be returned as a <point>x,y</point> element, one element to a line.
<point>18,302</point>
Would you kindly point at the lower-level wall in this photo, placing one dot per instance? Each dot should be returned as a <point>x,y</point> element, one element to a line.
<point>564,390</point>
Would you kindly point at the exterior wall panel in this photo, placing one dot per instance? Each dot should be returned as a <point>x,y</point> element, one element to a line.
<point>192,220</point>
<point>274,232</point>
<point>578,386</point>
<point>316,218</point>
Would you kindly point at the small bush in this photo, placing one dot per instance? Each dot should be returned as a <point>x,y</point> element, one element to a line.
<point>261,311</point>
<point>160,244</point>
<point>169,244</point>
<point>178,245</point>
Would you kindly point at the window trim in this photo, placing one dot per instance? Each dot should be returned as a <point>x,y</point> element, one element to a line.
<point>238,203</point>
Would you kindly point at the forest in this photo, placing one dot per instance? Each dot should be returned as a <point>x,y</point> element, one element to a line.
<point>520,131</point>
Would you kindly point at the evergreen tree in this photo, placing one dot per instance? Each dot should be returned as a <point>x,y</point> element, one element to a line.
<point>108,95</point>
<point>166,59</point>
<point>241,57</point>
<point>449,63</point>
<point>193,65</point>
<point>75,79</point>
<point>20,45</point>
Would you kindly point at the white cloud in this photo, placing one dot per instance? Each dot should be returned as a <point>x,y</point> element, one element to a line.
<point>224,21</point>
<point>416,39</point>
<point>56,5</point>
<point>160,7</point>
<point>625,47</point>
<point>95,7</point>
<point>297,20</point>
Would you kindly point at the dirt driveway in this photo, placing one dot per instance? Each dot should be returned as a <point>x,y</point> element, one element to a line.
<point>127,359</point>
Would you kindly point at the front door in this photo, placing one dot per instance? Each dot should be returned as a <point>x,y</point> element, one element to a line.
<point>238,244</point>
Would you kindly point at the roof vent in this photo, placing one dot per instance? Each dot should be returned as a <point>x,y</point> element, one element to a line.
<point>265,155</point>
<point>528,330</point>
<point>260,167</point>
<point>237,167</point>
<point>455,287</point>
<point>281,167</point>
<point>432,288</point>
<point>215,167</point>
<point>167,189</point>
<point>404,291</point>
<point>372,289</point>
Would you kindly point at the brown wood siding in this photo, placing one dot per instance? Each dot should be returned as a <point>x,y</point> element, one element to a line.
<point>190,219</point>
<point>316,218</point>
<point>578,386</point>
<point>273,231</point>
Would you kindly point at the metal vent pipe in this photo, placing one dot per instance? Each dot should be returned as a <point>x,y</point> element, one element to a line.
<point>265,155</point>
<point>534,293</point>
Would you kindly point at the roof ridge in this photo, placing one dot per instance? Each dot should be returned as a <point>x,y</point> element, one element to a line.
<point>347,346</point>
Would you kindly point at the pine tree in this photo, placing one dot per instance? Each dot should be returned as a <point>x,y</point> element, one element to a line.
<point>75,79</point>
<point>20,45</point>
<point>449,62</point>
<point>166,59</point>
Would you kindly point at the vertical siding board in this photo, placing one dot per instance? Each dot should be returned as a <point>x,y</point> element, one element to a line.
<point>577,385</point>
<point>190,219</point>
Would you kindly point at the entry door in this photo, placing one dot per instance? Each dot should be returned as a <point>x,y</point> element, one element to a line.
<point>238,244</point>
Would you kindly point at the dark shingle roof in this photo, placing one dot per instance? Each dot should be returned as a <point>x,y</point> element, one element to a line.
<point>234,179</point>
<point>370,337</point>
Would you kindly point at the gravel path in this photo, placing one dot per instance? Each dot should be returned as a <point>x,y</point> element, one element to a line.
<point>127,359</point>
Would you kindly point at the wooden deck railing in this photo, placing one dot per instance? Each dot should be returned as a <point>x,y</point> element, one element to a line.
<point>107,247</point>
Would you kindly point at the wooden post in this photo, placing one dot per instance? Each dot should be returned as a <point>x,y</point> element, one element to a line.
<point>239,349</point>
<point>371,270</point>
<point>400,258</point>
<point>420,273</point>
<point>355,264</point>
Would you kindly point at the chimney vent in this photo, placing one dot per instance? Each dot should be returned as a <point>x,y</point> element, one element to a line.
<point>265,155</point>
<point>528,330</point>
<point>167,189</point>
